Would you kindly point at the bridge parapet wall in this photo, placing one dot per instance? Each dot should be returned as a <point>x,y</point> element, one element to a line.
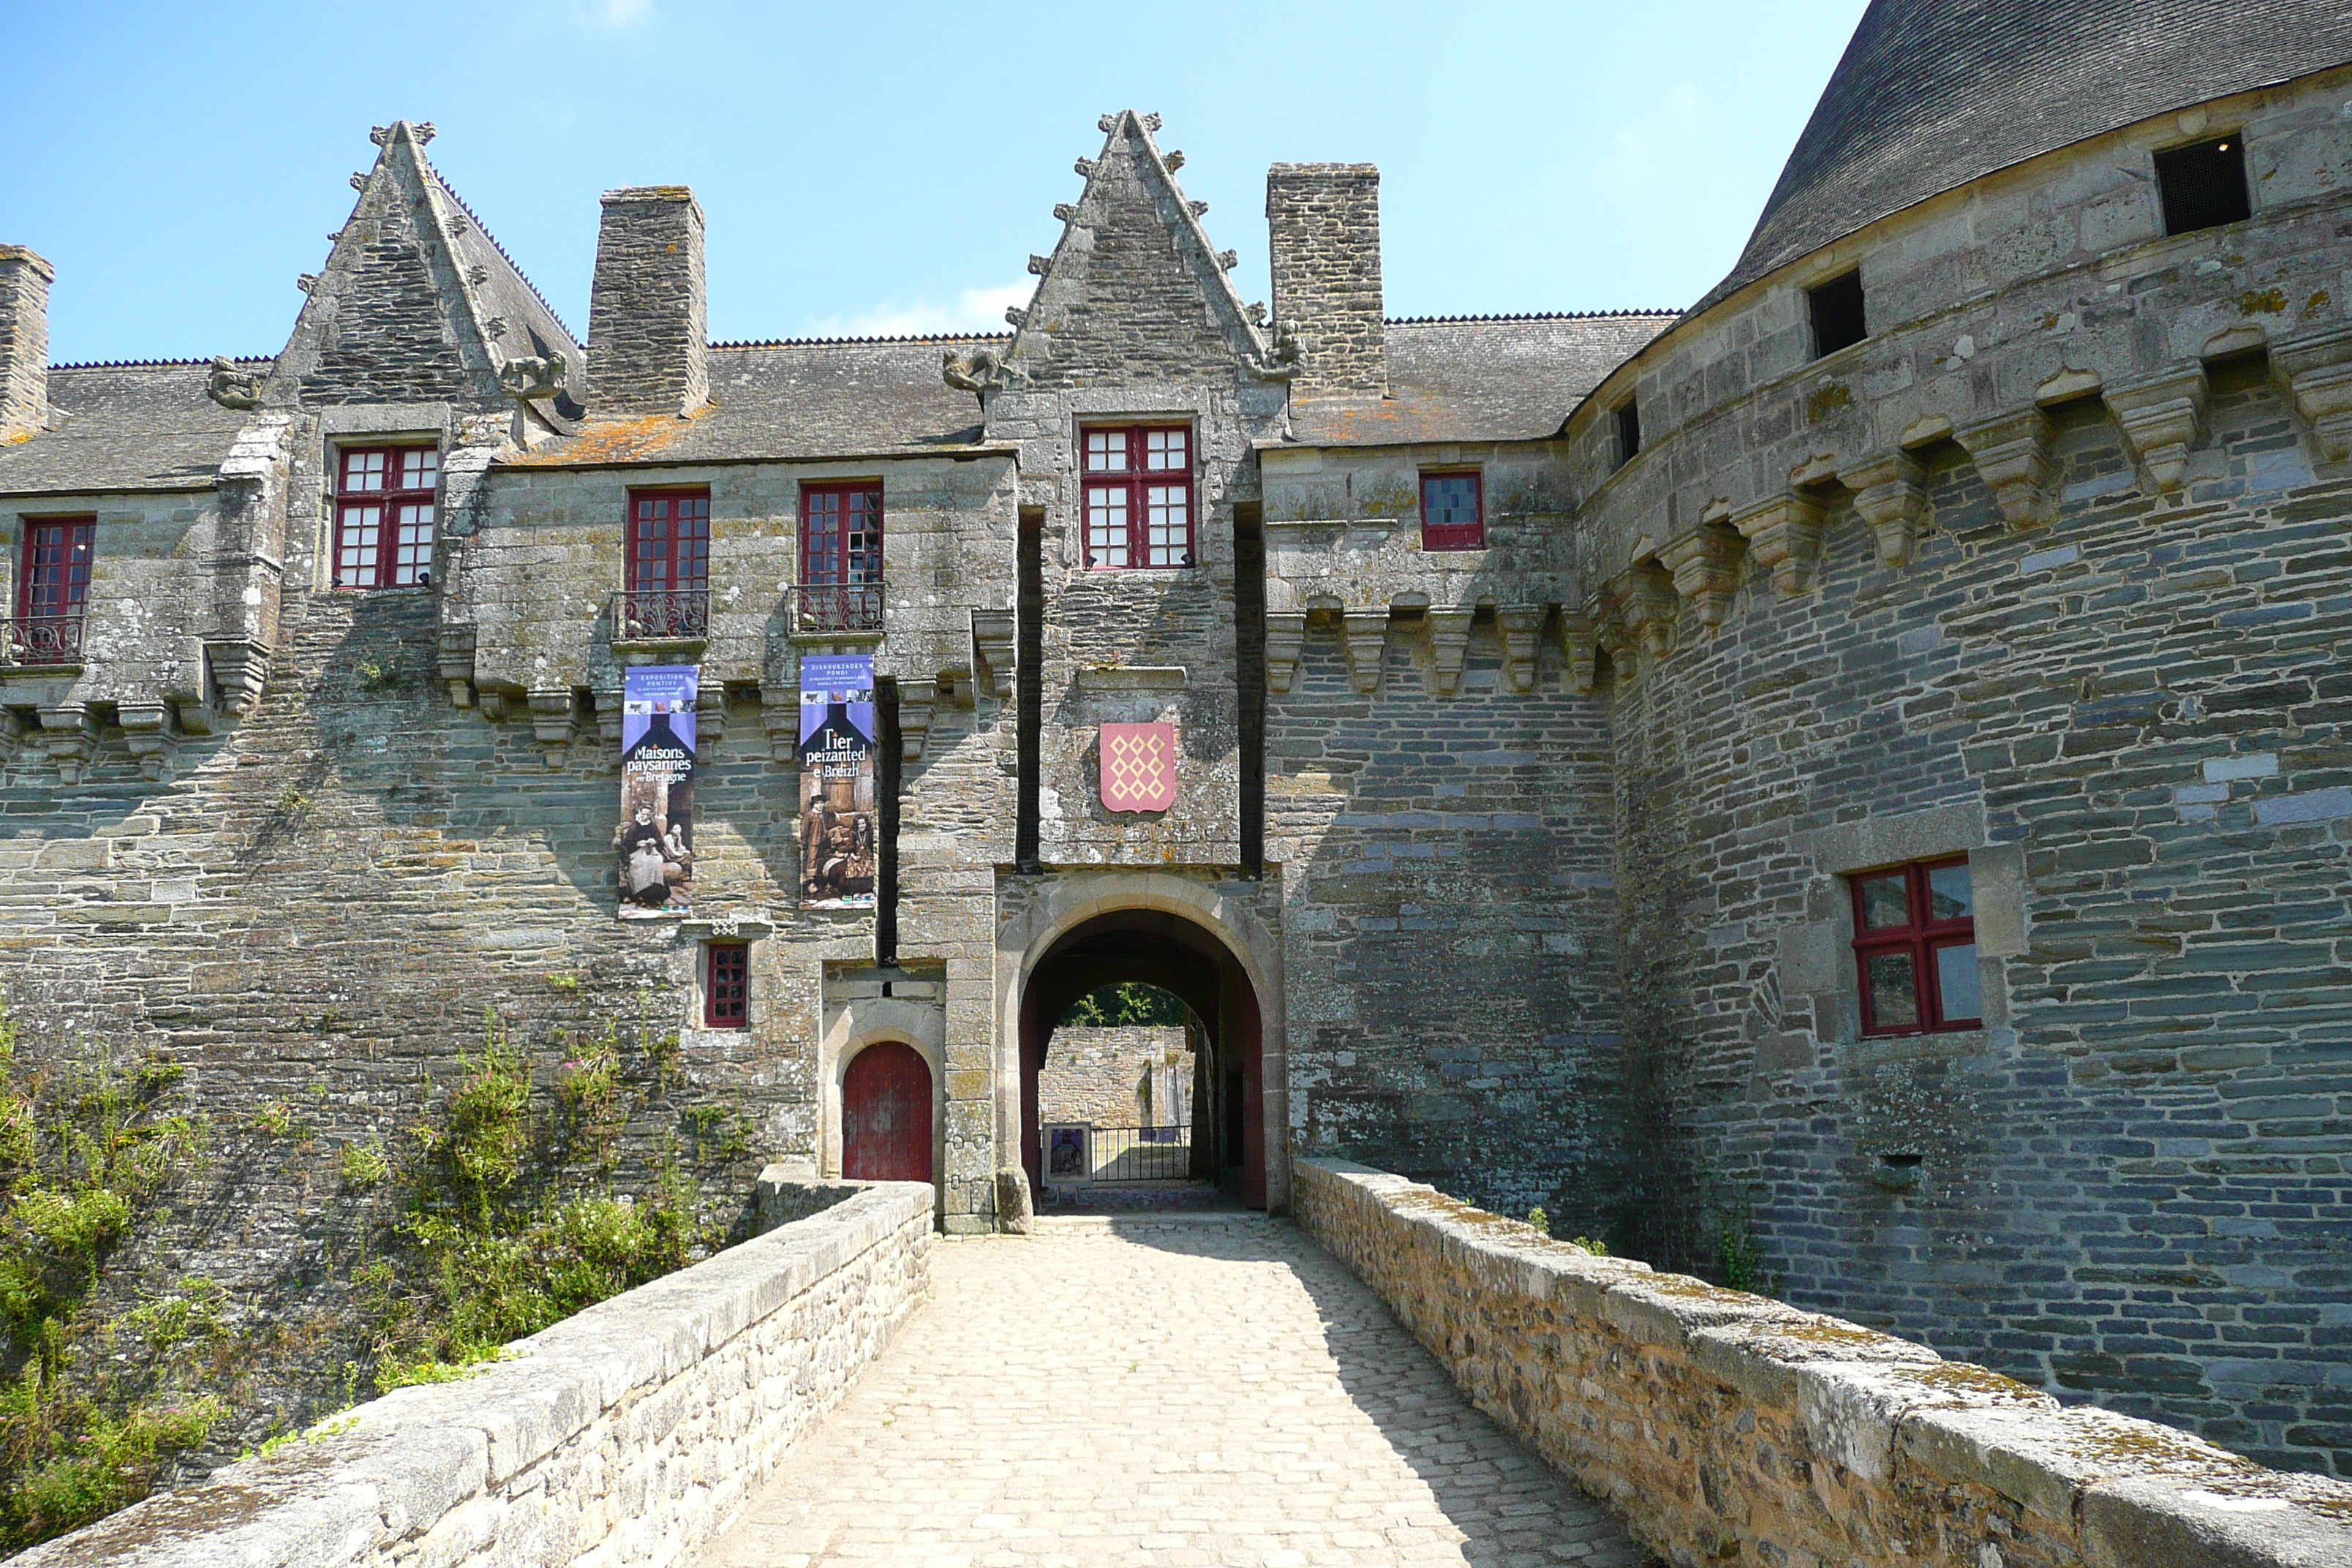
<point>628,1433</point>
<point>1727,1427</point>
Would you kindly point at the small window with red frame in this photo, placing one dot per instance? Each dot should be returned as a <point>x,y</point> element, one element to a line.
<point>1139,496</point>
<point>1915,948</point>
<point>385,500</point>
<point>1453,512</point>
<point>726,985</point>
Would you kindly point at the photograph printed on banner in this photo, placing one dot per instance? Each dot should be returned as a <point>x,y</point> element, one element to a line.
<point>655,836</point>
<point>838,840</point>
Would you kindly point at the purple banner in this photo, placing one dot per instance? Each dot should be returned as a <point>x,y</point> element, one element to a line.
<point>838,828</point>
<point>655,838</point>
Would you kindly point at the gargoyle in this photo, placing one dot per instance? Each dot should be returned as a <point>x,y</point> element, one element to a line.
<point>231,387</point>
<point>979,371</point>
<point>530,378</point>
<point>1282,363</point>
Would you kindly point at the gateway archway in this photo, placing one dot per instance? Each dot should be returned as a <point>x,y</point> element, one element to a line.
<point>1180,954</point>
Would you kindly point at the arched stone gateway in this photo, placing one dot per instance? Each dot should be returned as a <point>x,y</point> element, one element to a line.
<point>1187,937</point>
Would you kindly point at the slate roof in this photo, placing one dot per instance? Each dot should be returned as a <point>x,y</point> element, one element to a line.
<point>811,398</point>
<point>125,428</point>
<point>1932,94</point>
<point>1481,378</point>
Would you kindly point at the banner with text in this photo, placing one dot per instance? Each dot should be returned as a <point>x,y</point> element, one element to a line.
<point>656,838</point>
<point>838,827</point>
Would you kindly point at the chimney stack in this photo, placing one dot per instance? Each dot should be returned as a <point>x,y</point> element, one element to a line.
<point>25,279</point>
<point>1324,222</point>
<point>648,337</point>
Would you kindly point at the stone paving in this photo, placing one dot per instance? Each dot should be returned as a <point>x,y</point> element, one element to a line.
<point>1208,1390</point>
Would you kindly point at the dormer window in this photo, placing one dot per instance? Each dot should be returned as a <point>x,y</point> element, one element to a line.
<point>384,508</point>
<point>2203,185</point>
<point>1836,308</point>
<point>1453,512</point>
<point>1139,496</point>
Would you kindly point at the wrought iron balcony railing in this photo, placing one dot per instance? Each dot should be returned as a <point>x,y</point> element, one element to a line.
<point>837,608</point>
<point>680,617</point>
<point>41,640</point>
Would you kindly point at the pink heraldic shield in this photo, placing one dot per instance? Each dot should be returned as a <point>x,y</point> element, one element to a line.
<point>1139,766</point>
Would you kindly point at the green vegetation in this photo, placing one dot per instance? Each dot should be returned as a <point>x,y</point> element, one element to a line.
<point>1130,1002</point>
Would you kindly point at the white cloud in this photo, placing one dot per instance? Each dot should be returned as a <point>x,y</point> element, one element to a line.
<point>613,13</point>
<point>973,310</point>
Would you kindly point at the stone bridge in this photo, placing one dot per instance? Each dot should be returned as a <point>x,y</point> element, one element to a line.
<point>1388,1377</point>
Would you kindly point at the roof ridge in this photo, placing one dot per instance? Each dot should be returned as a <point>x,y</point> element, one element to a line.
<point>843,342</point>
<point>157,364</point>
<point>484,229</point>
<point>1530,316</point>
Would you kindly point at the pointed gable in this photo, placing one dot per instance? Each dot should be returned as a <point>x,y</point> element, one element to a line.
<point>1134,291</point>
<point>417,303</point>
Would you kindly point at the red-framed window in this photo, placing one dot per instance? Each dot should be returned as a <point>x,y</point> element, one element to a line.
<point>1915,948</point>
<point>1453,512</point>
<point>727,985</point>
<point>840,534</point>
<point>385,503</point>
<point>669,542</point>
<point>54,584</point>
<point>1139,496</point>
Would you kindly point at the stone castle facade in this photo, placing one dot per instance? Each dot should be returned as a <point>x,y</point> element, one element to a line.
<point>1557,699</point>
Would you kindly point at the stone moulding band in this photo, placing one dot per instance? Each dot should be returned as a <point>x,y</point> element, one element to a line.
<point>654,1417</point>
<point>1724,1426</point>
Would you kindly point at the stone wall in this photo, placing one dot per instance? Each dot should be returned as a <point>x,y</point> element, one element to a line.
<point>1094,1077</point>
<point>629,1432</point>
<point>1725,1427</point>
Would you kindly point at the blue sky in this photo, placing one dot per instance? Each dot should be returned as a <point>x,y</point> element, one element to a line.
<point>884,168</point>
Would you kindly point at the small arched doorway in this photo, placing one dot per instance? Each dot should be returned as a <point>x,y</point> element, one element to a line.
<point>886,1115</point>
<point>1165,950</point>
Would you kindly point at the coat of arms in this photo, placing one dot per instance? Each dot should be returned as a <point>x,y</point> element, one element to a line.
<point>1139,766</point>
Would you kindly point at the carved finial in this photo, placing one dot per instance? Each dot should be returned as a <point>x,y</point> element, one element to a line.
<point>1084,165</point>
<point>231,387</point>
<point>1038,264</point>
<point>1065,211</point>
<point>1255,312</point>
<point>424,131</point>
<point>478,274</point>
<point>1017,315</point>
<point>1151,123</point>
<point>380,134</point>
<point>358,181</point>
<point>456,227</point>
<point>1229,259</point>
<point>1200,209</point>
<point>1106,124</point>
<point>336,237</point>
<point>1175,159</point>
<point>495,328</point>
<point>307,282</point>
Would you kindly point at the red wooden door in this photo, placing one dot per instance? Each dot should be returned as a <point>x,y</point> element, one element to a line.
<point>886,1115</point>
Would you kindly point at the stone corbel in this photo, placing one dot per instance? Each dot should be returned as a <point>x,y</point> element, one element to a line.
<point>17,734</point>
<point>710,717</point>
<point>1623,651</point>
<point>554,720</point>
<point>2012,453</point>
<point>779,715</point>
<point>454,658</point>
<point>955,685</point>
<point>918,703</point>
<point>2316,373</point>
<point>1784,532</point>
<point>1706,567</point>
<point>1449,643</point>
<point>1520,626</point>
<point>1365,635</point>
<point>148,731</point>
<point>1286,634</point>
<point>70,737</point>
<point>1890,494</point>
<point>2162,417</point>
<point>1579,644</point>
<point>1646,597</point>
<point>608,700</point>
<point>240,669</point>
<point>991,652</point>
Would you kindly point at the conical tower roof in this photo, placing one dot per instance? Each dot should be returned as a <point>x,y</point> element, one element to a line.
<point>1932,94</point>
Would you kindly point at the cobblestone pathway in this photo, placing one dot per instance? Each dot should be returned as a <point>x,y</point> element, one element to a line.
<point>1206,1391</point>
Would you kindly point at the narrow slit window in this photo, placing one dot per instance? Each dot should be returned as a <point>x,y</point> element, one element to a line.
<point>1629,431</point>
<point>386,508</point>
<point>1837,312</point>
<point>1915,948</point>
<point>2203,185</point>
<point>1139,497</point>
<point>726,985</point>
<point>1453,512</point>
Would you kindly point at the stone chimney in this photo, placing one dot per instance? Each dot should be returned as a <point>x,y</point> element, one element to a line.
<point>648,340</point>
<point>1324,223</point>
<point>24,341</point>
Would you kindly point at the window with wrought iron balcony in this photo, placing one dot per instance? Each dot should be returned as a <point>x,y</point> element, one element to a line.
<point>52,593</point>
<point>840,585</point>
<point>665,598</point>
